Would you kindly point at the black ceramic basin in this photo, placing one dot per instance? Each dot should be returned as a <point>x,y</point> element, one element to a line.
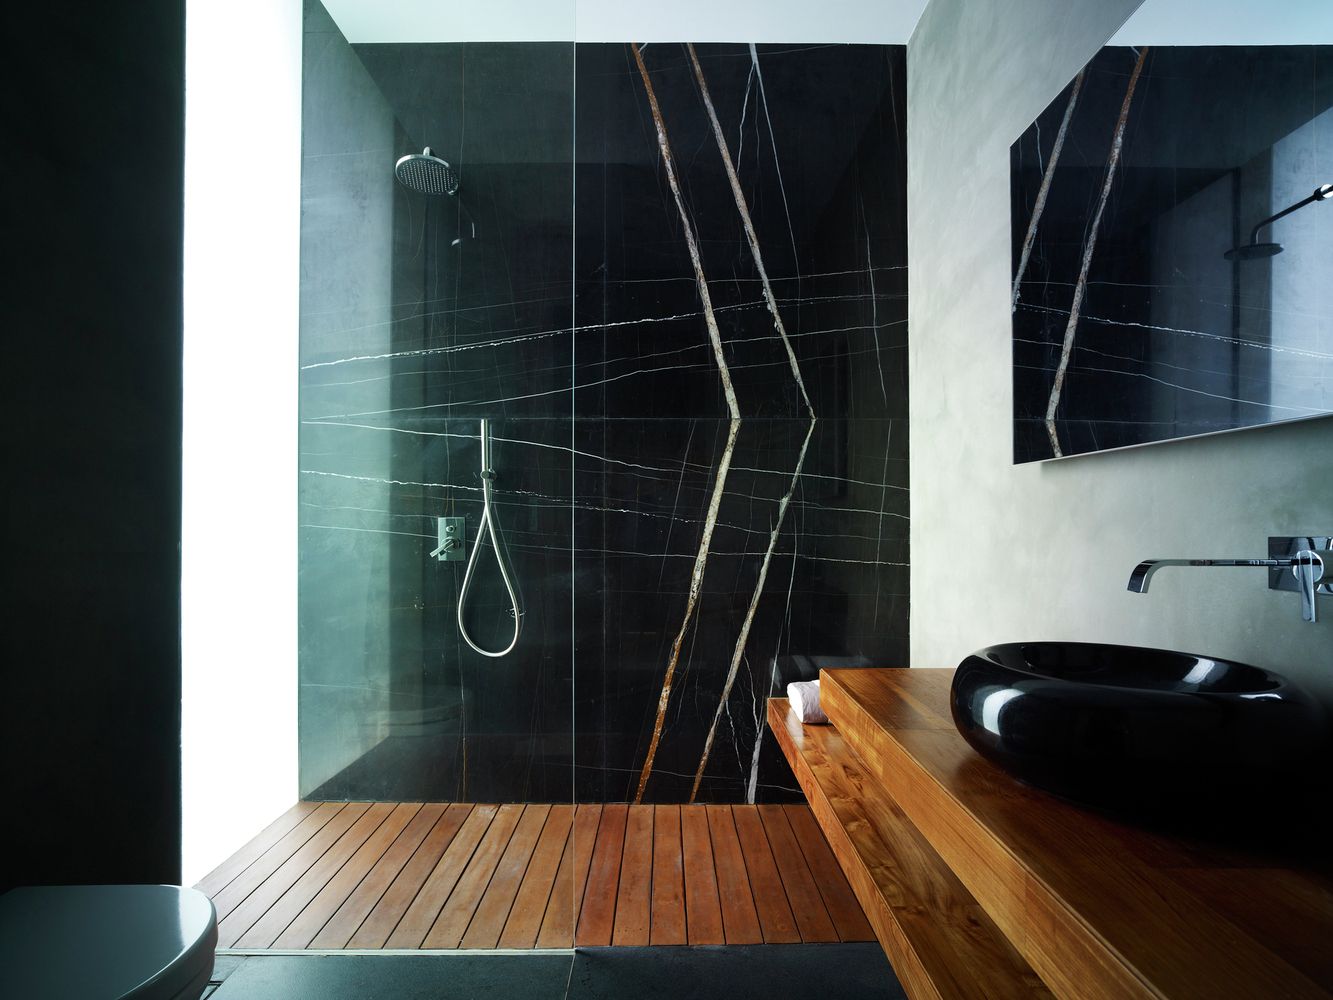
<point>1128,727</point>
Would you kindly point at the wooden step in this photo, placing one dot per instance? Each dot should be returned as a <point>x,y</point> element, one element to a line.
<point>1098,907</point>
<point>938,938</point>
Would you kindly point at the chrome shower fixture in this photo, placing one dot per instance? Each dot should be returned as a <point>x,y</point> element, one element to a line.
<point>1255,250</point>
<point>489,524</point>
<point>426,173</point>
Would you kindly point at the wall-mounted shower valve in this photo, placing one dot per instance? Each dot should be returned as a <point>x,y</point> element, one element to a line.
<point>451,534</point>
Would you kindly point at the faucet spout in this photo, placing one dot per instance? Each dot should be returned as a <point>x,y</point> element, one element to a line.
<point>1142,574</point>
<point>1139,579</point>
<point>1309,558</point>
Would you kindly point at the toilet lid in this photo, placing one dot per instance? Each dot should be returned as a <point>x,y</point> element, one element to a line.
<point>104,941</point>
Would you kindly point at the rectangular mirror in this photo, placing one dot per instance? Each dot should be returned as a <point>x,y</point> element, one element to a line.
<point>1172,223</point>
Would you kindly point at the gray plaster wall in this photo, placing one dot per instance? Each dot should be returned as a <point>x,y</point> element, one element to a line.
<point>1043,551</point>
<point>346,606</point>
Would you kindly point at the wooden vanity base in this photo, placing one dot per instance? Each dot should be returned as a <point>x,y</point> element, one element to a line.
<point>978,885</point>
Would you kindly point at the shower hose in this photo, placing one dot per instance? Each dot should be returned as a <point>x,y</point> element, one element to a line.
<point>489,524</point>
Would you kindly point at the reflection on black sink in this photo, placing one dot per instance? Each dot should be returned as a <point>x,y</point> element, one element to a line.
<point>1134,728</point>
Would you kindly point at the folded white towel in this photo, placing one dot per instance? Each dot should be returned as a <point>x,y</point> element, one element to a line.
<point>804,698</point>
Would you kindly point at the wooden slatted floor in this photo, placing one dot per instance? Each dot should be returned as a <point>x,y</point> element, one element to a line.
<point>375,875</point>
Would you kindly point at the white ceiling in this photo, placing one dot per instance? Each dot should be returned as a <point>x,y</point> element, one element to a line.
<point>1229,22</point>
<point>764,21</point>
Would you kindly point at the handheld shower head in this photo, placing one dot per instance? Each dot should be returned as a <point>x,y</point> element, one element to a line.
<point>426,173</point>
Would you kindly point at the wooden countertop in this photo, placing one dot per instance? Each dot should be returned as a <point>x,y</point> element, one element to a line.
<point>1097,906</point>
<point>937,936</point>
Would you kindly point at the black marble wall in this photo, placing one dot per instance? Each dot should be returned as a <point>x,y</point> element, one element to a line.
<point>763,531</point>
<point>815,138</point>
<point>1131,323</point>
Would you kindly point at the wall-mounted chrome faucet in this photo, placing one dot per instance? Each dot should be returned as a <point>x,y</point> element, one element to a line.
<point>1300,563</point>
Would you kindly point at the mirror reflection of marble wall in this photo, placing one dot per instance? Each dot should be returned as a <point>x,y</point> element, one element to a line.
<point>1136,318</point>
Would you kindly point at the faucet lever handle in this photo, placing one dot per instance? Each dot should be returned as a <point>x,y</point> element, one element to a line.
<point>1309,567</point>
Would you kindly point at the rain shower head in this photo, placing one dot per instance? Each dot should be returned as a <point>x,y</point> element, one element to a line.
<point>426,173</point>
<point>1254,250</point>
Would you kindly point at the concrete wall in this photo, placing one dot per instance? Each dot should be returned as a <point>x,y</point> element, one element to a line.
<point>347,608</point>
<point>1043,551</point>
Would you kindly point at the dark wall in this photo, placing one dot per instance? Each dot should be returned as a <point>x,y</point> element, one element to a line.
<point>399,359</point>
<point>814,133</point>
<point>93,104</point>
<point>573,322</point>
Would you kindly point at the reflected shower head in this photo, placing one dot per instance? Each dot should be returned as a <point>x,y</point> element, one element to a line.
<point>1253,251</point>
<point>426,173</point>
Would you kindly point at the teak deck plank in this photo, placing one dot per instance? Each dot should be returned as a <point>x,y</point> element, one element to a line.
<point>770,898</point>
<point>452,923</point>
<point>562,910</point>
<point>1084,897</point>
<point>268,892</point>
<point>846,912</point>
<point>740,921</point>
<point>597,919</point>
<point>439,876</point>
<point>264,931</point>
<point>668,910</point>
<point>312,918</point>
<point>361,902</point>
<point>938,938</point>
<point>434,892</point>
<point>634,895</point>
<point>525,917</point>
<point>807,906</point>
<point>236,890</point>
<point>218,879</point>
<point>389,911</point>
<point>493,910</point>
<point>703,914</point>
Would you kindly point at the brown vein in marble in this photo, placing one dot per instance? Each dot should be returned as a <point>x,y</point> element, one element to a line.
<point>739,652</point>
<point>1045,187</point>
<point>748,223</point>
<point>734,426</point>
<point>1068,347</point>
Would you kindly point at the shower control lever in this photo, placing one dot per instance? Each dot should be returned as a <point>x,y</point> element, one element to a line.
<point>450,533</point>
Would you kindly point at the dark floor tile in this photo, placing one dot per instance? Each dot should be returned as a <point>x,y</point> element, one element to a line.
<point>224,966</point>
<point>792,972</point>
<point>397,977</point>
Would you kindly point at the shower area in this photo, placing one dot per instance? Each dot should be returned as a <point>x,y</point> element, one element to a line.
<point>603,403</point>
